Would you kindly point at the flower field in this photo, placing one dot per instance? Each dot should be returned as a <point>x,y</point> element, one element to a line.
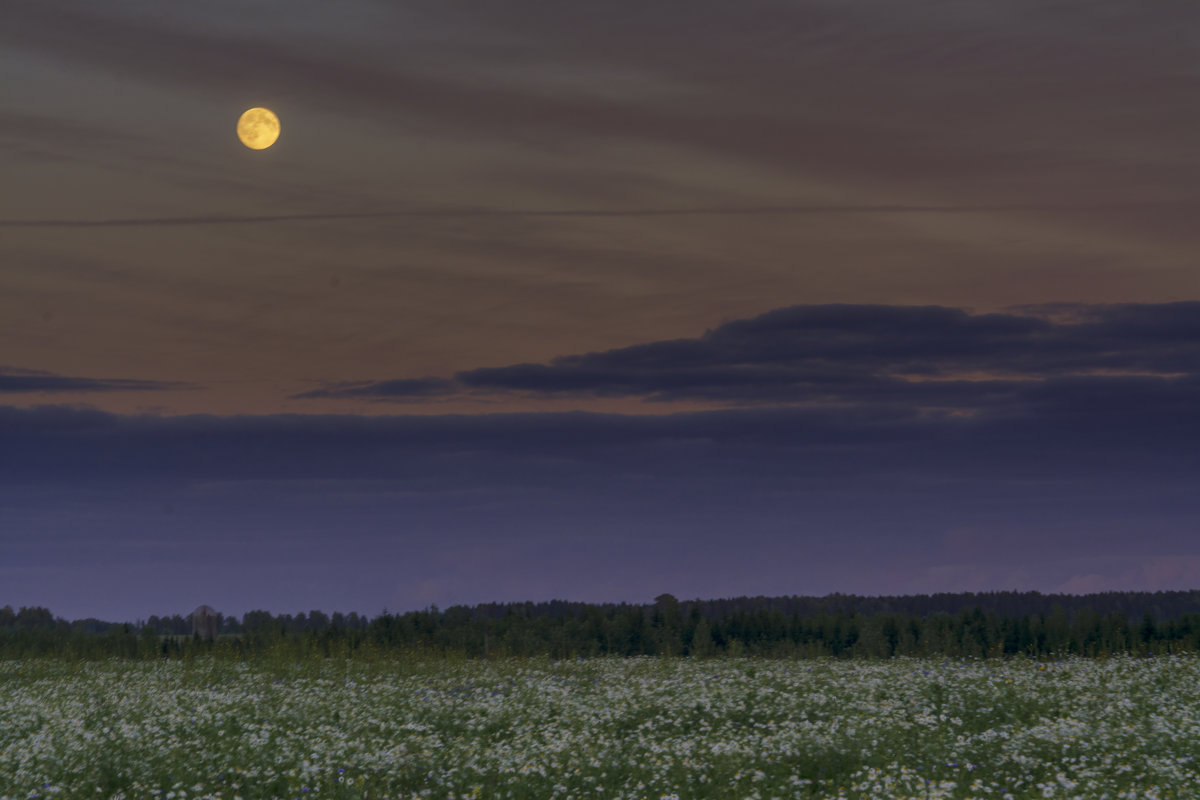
<point>616,728</point>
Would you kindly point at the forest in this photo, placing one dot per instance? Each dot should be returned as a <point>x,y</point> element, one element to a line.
<point>978,625</point>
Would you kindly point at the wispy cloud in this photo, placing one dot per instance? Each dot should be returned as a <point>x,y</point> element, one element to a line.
<point>469,213</point>
<point>32,381</point>
<point>415,388</point>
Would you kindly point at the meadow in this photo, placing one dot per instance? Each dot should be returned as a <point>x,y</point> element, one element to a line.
<point>1123,727</point>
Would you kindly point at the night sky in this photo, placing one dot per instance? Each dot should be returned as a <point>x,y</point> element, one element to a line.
<point>595,301</point>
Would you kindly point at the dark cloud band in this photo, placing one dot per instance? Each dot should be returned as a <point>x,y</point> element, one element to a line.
<point>906,358</point>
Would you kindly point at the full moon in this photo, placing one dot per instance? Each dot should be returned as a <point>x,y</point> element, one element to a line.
<point>258,128</point>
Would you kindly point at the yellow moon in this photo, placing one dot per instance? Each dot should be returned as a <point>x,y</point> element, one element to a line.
<point>258,128</point>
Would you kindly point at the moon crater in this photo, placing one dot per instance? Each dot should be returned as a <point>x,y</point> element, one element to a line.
<point>258,128</point>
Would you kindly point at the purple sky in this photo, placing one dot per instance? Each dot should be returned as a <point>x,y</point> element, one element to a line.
<point>595,302</point>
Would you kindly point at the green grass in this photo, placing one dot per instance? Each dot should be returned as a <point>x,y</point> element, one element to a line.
<point>614,728</point>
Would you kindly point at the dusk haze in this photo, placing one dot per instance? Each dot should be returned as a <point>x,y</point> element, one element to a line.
<point>369,305</point>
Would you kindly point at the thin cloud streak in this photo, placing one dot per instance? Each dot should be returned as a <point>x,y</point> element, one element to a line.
<point>466,213</point>
<point>19,381</point>
<point>411,387</point>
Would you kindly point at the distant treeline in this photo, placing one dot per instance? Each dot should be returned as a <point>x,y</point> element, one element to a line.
<point>844,626</point>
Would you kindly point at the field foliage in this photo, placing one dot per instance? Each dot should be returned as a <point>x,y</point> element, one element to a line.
<point>1121,727</point>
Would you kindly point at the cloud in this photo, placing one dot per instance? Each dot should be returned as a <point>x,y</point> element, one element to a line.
<point>791,88</point>
<point>909,359</point>
<point>415,388</point>
<point>1085,584</point>
<point>17,381</point>
<point>1147,572</point>
<point>1114,426</point>
<point>469,213</point>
